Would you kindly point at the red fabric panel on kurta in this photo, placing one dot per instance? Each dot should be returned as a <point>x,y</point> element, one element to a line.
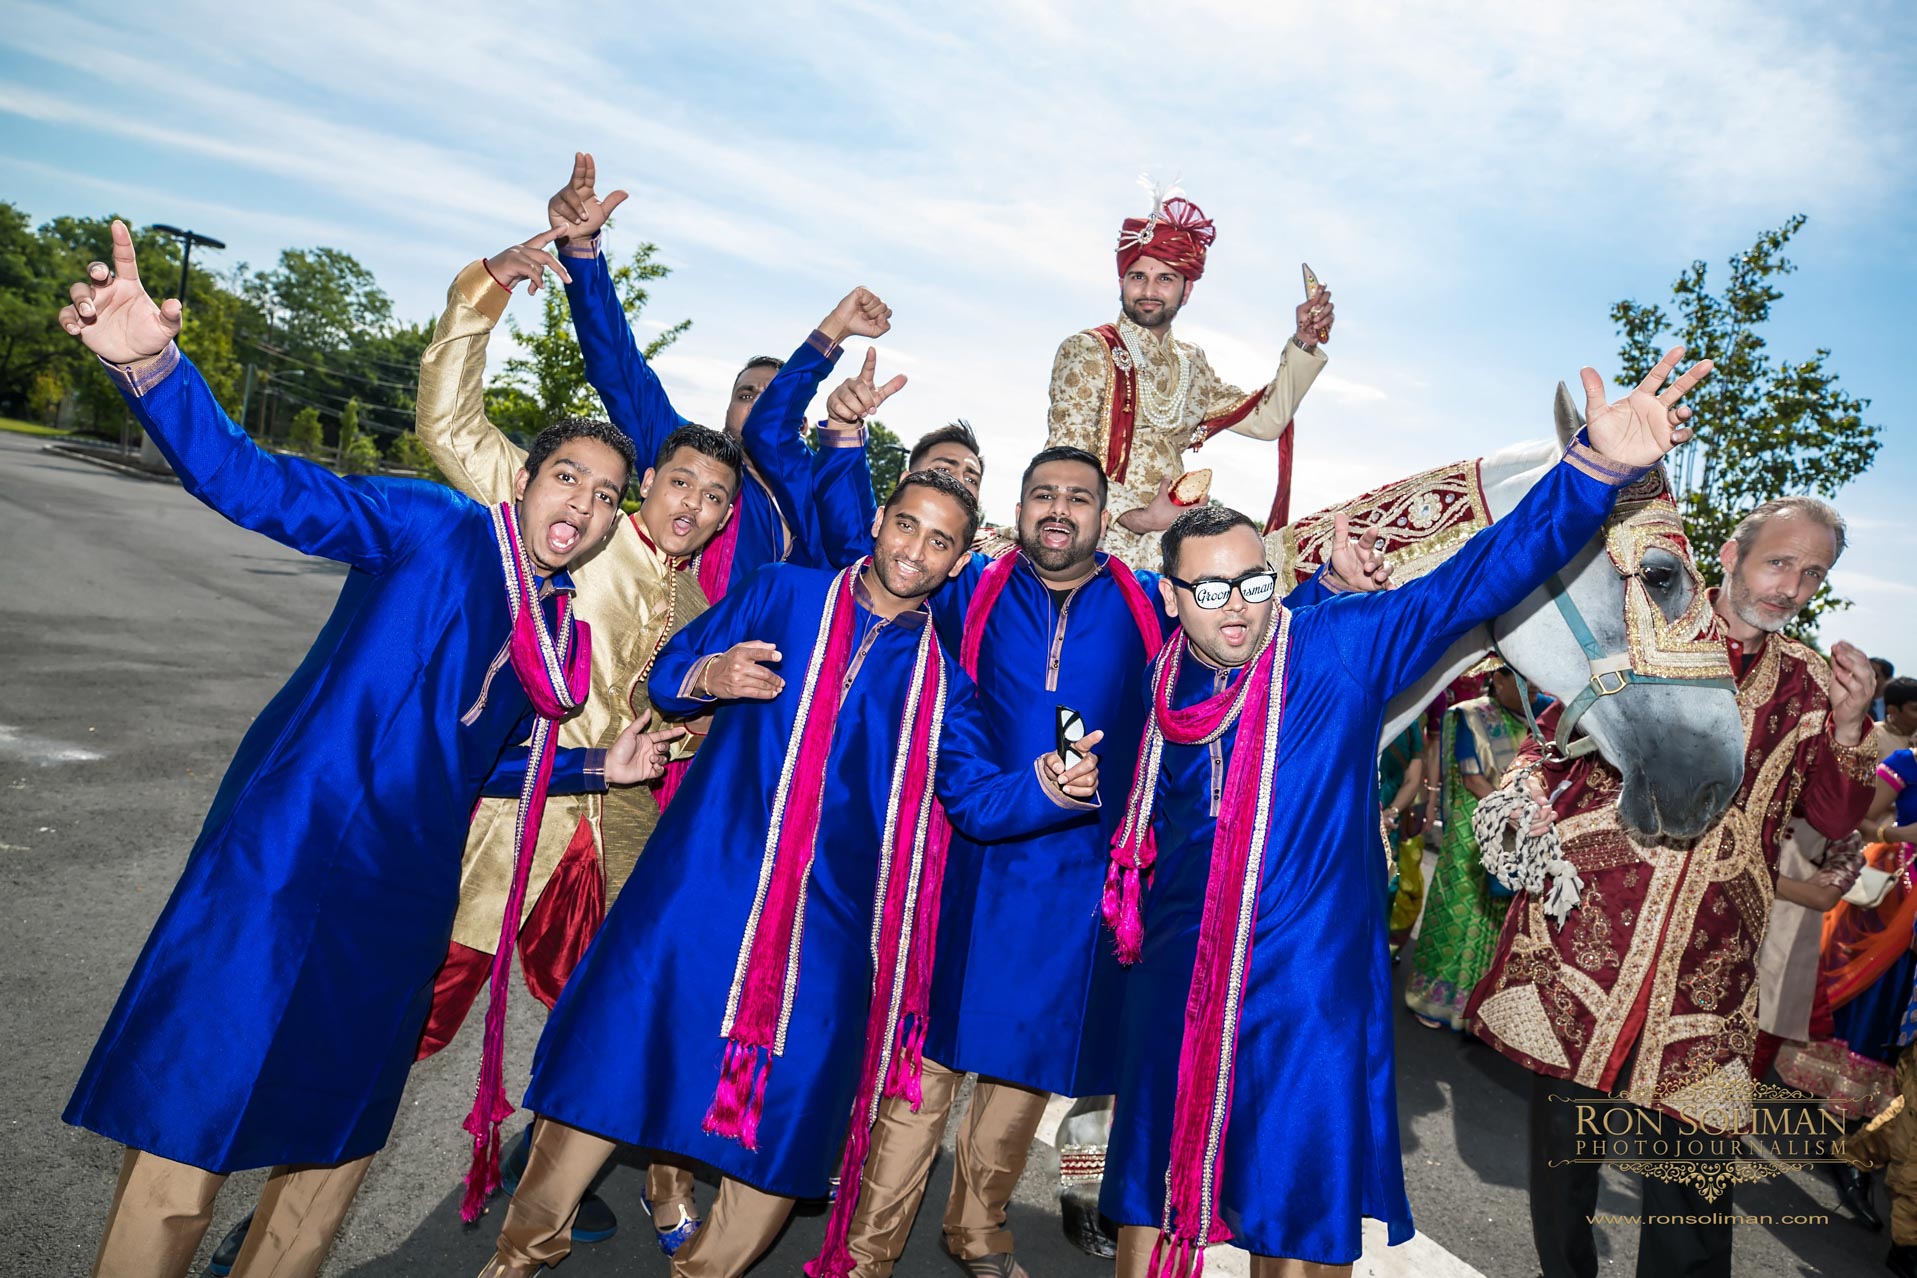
<point>566,918</point>
<point>457,984</point>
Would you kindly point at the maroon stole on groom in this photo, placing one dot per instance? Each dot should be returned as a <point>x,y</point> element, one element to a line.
<point>1121,410</point>
<point>553,667</point>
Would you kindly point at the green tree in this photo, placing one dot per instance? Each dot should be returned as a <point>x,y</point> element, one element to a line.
<point>1765,428</point>
<point>407,453</point>
<point>885,455</point>
<point>45,395</point>
<point>358,454</point>
<point>549,381</point>
<point>307,436</point>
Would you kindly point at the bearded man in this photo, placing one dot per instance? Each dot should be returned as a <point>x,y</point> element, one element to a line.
<point>1646,986</point>
<point>1136,398</point>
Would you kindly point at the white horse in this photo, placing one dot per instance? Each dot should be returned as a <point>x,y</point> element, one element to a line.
<point>1677,742</point>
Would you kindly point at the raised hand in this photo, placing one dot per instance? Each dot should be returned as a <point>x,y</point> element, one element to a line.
<point>1356,562</point>
<point>1315,315</point>
<point>111,313</point>
<point>1641,428</point>
<point>638,755</point>
<point>859,313</point>
<point>576,212</point>
<point>1157,514</point>
<point>1080,781</point>
<point>857,398</point>
<point>1853,686</point>
<point>529,261</point>
<point>739,673</point>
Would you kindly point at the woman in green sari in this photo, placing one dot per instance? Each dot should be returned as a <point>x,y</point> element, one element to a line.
<point>1462,914</point>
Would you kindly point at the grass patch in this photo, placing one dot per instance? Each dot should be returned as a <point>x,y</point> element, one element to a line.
<point>15,426</point>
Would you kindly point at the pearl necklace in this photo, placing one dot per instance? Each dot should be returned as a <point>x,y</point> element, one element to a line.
<point>1164,414</point>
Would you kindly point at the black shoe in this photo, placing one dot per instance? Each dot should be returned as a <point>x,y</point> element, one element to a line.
<point>221,1263</point>
<point>595,1221</point>
<point>1089,1231</point>
<point>1902,1260</point>
<point>512,1164</point>
<point>1853,1194</point>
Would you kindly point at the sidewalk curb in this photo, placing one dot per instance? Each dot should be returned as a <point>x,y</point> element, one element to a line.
<point>107,463</point>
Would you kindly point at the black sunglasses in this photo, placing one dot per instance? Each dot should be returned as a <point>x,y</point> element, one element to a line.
<point>1255,586</point>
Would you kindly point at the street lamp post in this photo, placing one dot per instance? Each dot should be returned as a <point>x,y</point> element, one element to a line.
<point>149,452</point>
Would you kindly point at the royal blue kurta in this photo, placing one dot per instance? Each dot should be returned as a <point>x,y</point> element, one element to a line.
<point>633,1048</point>
<point>777,493</point>
<point>277,1004</point>
<point>1312,1143</point>
<point>1027,988</point>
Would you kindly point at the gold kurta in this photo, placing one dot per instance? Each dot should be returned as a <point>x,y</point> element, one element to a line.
<point>627,592</point>
<point>1081,390</point>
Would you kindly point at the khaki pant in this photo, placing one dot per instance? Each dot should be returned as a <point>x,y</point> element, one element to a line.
<point>161,1210</point>
<point>993,1141</point>
<point>1890,1141</point>
<point>1135,1244</point>
<point>538,1228</point>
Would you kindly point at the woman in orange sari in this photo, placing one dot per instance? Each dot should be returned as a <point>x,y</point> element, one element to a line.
<point>1865,970</point>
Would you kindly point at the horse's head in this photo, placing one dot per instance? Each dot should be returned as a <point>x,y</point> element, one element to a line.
<point>1625,637</point>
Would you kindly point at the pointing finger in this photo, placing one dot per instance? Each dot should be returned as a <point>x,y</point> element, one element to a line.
<point>1661,370</point>
<point>1692,376</point>
<point>123,264</point>
<point>871,368</point>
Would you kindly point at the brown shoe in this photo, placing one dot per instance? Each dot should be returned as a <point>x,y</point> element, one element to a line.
<point>997,1265</point>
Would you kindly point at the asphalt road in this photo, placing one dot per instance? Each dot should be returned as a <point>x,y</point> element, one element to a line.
<point>140,636</point>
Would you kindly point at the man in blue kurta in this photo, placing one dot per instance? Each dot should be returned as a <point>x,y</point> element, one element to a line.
<point>794,506</point>
<point>1026,993</point>
<point>1255,1100</point>
<point>317,902</point>
<point>657,1039</point>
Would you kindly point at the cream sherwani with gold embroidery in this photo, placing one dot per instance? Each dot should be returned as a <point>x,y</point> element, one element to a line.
<point>627,592</point>
<point>1081,402</point>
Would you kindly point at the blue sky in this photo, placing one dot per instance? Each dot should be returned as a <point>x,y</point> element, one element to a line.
<point>1476,182</point>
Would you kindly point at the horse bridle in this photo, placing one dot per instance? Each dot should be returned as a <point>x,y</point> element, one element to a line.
<point>1611,673</point>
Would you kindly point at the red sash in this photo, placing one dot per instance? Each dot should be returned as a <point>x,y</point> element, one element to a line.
<point>1121,409</point>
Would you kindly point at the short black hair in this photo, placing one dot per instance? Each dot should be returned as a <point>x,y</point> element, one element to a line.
<point>1900,692</point>
<point>958,432</point>
<point>939,481</point>
<point>1065,453</point>
<point>1883,666</point>
<point>1210,520</point>
<point>547,441</point>
<point>772,362</point>
<point>715,444</point>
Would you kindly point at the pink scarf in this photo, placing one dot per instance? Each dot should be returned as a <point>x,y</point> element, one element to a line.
<point>906,902</point>
<point>1208,1050</point>
<point>991,584</point>
<point>554,670</point>
<point>714,564</point>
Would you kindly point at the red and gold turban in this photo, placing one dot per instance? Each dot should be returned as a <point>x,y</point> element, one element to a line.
<point>1177,233</point>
